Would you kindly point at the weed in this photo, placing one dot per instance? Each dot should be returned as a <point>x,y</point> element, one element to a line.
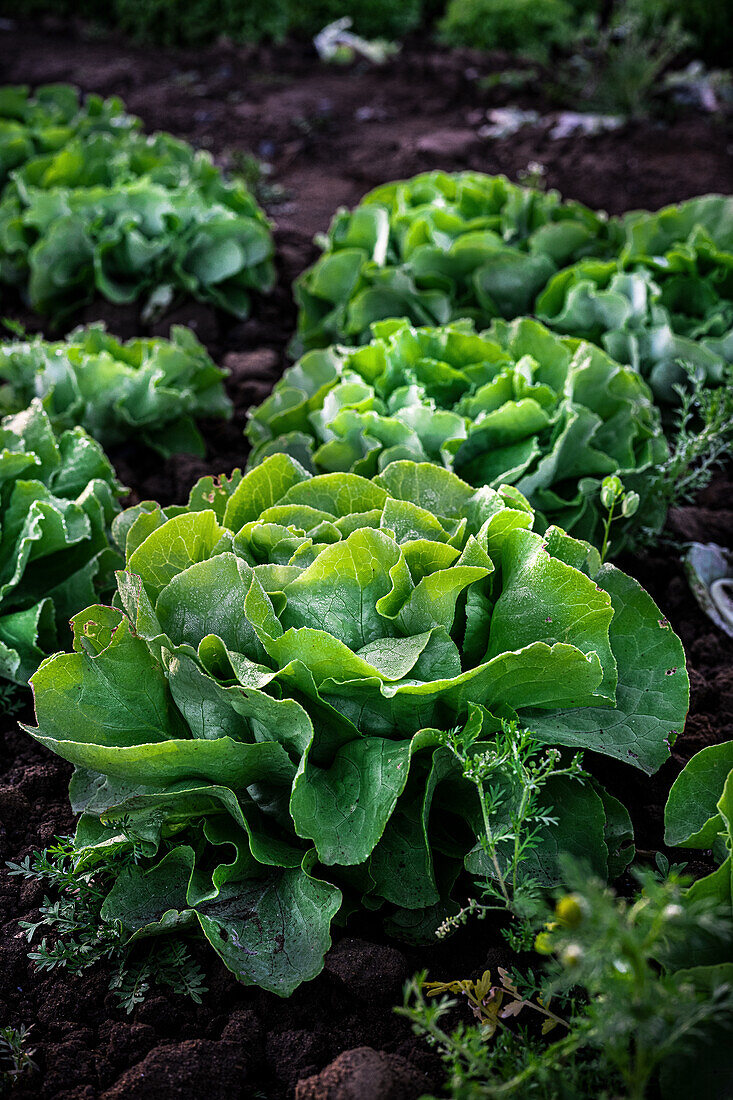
<point>12,698</point>
<point>513,79</point>
<point>702,441</point>
<point>256,175</point>
<point>508,774</point>
<point>623,1013</point>
<point>16,1056</point>
<point>167,964</point>
<point>618,69</point>
<point>75,936</point>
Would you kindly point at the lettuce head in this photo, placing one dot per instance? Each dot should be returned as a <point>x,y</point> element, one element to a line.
<point>515,405</point>
<point>58,497</point>
<point>264,707</point>
<point>147,389</point>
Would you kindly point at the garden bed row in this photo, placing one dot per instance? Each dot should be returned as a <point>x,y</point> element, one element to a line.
<point>253,1040</point>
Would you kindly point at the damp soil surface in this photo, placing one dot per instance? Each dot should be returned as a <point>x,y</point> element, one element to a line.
<point>329,134</point>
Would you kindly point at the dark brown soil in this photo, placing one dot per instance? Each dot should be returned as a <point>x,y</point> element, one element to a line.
<point>330,134</point>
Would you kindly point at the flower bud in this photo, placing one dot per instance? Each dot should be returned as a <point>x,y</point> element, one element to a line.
<point>569,911</point>
<point>572,955</point>
<point>543,943</point>
<point>630,505</point>
<point>611,489</point>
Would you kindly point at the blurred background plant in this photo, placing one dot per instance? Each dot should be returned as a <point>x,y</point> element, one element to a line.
<point>635,39</point>
<point>530,27</point>
<point>620,60</point>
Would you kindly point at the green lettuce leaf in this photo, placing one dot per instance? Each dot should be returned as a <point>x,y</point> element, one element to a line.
<point>698,809</point>
<point>699,814</point>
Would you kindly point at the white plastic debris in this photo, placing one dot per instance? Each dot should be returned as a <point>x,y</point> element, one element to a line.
<point>706,89</point>
<point>505,121</point>
<point>709,569</point>
<point>573,123</point>
<point>336,43</point>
